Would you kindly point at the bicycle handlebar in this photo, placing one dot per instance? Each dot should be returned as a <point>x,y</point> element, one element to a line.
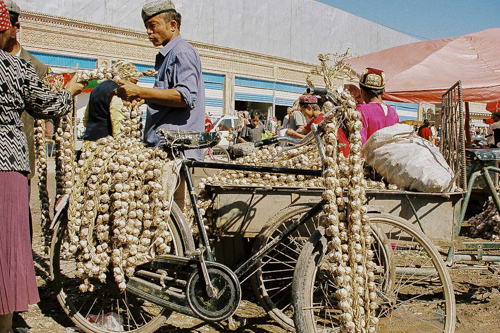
<point>266,142</point>
<point>317,91</point>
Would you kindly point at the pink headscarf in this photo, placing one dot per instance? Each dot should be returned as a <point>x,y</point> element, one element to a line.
<point>4,17</point>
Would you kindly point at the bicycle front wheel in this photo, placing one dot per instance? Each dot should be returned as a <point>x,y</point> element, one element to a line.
<point>106,309</point>
<point>418,298</point>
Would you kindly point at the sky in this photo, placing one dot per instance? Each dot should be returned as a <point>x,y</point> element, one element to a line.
<point>426,19</point>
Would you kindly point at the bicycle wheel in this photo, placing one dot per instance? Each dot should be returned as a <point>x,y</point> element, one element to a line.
<point>215,154</point>
<point>420,298</point>
<point>99,311</point>
<point>273,279</point>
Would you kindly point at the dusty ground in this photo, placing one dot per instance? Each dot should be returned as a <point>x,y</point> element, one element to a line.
<point>477,292</point>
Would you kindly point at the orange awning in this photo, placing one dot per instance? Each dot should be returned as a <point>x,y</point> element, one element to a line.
<point>423,71</point>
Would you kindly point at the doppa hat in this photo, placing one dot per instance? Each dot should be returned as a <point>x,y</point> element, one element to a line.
<point>308,99</point>
<point>12,7</point>
<point>4,17</point>
<point>156,7</point>
<point>373,78</point>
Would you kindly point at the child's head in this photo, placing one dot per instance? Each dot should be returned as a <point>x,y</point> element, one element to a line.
<point>231,130</point>
<point>254,119</point>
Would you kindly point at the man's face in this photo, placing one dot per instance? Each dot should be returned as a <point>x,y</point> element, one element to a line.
<point>159,31</point>
<point>4,38</point>
<point>12,39</point>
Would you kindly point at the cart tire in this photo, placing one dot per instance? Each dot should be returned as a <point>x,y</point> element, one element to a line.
<point>419,297</point>
<point>137,315</point>
<point>272,281</point>
<point>215,154</point>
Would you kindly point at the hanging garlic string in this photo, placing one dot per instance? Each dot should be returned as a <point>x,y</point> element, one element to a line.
<point>43,194</point>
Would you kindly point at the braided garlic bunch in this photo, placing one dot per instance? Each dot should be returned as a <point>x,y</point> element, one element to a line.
<point>41,169</point>
<point>487,223</point>
<point>118,210</point>
<point>120,69</point>
<point>132,125</point>
<point>65,156</point>
<point>63,130</point>
<point>349,254</point>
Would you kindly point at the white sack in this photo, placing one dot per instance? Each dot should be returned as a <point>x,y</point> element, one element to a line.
<point>407,160</point>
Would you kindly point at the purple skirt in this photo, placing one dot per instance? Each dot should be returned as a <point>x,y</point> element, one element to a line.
<point>18,286</point>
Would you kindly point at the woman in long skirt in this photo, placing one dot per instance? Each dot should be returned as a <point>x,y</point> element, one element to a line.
<point>20,90</point>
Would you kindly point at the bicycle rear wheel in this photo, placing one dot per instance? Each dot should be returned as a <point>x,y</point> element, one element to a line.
<point>418,299</point>
<point>106,309</point>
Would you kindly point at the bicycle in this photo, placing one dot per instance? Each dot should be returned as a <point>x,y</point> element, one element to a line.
<point>192,282</point>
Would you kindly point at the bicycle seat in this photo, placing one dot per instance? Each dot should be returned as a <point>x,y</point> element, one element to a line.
<point>184,139</point>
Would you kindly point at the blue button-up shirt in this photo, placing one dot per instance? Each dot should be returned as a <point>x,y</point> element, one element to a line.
<point>179,67</point>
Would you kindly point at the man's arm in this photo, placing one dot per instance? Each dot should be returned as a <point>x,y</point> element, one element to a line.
<point>241,134</point>
<point>298,134</point>
<point>129,91</point>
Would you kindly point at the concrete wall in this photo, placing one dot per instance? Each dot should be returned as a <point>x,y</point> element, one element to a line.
<point>293,29</point>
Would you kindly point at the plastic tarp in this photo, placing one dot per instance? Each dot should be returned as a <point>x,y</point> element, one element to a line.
<point>423,71</point>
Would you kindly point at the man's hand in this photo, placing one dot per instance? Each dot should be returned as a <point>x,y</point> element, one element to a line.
<point>295,134</point>
<point>128,91</point>
<point>75,87</point>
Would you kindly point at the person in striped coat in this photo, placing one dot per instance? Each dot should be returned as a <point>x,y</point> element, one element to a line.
<point>20,90</point>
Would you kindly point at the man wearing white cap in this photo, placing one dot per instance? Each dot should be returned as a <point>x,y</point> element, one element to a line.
<point>177,100</point>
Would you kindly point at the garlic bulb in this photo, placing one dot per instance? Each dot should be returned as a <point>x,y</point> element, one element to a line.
<point>487,223</point>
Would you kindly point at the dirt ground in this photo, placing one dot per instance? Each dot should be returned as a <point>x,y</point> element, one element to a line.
<point>477,291</point>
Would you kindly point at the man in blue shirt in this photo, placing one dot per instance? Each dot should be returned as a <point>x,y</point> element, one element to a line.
<point>177,100</point>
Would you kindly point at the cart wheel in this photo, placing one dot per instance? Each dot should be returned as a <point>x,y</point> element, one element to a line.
<point>420,298</point>
<point>215,154</point>
<point>272,281</point>
<point>106,309</point>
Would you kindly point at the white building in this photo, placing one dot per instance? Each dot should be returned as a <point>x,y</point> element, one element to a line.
<point>255,54</point>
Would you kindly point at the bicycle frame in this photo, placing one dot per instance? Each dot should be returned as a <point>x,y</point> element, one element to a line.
<point>245,267</point>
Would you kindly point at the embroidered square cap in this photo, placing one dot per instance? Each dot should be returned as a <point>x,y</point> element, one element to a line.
<point>4,17</point>
<point>156,7</point>
<point>373,78</point>
<point>12,7</point>
<point>308,99</point>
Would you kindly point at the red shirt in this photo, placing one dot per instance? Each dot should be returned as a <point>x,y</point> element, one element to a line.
<point>341,135</point>
<point>316,120</point>
<point>425,132</point>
